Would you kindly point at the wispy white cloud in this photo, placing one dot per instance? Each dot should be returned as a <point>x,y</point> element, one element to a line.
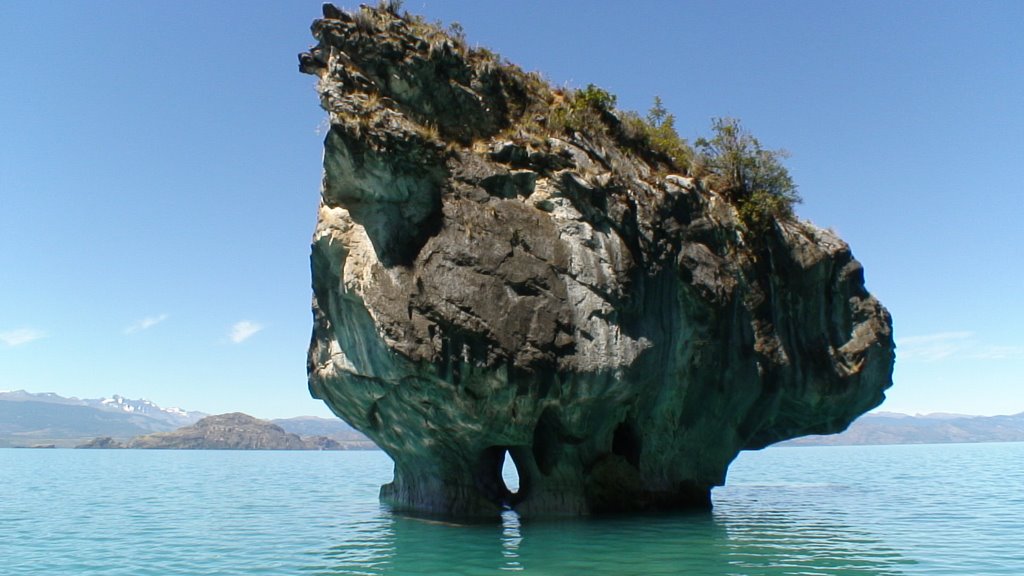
<point>21,336</point>
<point>943,345</point>
<point>932,347</point>
<point>145,324</point>
<point>242,331</point>
<point>999,352</point>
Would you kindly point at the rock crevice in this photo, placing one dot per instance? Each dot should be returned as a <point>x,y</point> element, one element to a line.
<point>487,287</point>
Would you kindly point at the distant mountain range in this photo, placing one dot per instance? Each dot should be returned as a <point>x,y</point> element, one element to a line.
<point>892,428</point>
<point>28,419</point>
<point>312,426</point>
<point>173,417</point>
<point>47,419</point>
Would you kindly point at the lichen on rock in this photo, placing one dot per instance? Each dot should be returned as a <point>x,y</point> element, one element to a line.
<point>486,287</point>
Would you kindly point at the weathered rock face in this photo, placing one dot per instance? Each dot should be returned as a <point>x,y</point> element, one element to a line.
<point>484,286</point>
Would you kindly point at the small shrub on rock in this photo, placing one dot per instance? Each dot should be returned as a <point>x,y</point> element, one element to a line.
<point>753,178</point>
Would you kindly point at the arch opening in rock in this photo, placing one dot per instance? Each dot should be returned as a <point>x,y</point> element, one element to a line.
<point>500,477</point>
<point>510,474</point>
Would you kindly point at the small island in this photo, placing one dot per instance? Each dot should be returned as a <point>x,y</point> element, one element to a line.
<point>234,431</point>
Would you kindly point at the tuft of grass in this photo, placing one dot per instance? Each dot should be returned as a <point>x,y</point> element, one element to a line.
<point>394,7</point>
<point>583,110</point>
<point>365,21</point>
<point>656,139</point>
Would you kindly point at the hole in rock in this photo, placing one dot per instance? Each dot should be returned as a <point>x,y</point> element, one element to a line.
<point>546,445</point>
<point>499,477</point>
<point>626,443</point>
<point>510,473</point>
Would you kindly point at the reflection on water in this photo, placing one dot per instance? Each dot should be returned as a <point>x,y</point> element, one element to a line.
<point>937,510</point>
<point>726,542</point>
<point>511,537</point>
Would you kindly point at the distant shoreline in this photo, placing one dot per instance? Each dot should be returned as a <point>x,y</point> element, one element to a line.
<point>44,421</point>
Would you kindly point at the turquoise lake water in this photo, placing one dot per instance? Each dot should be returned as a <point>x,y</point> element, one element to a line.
<point>939,509</point>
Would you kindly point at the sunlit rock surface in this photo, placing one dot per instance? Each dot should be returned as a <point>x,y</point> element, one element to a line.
<point>484,286</point>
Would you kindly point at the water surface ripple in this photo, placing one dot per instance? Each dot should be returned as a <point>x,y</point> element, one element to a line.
<point>950,509</point>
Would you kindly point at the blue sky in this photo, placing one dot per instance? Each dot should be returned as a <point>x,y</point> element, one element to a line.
<point>160,165</point>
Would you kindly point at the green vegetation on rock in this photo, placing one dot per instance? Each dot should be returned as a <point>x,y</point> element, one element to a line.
<point>748,175</point>
<point>732,162</point>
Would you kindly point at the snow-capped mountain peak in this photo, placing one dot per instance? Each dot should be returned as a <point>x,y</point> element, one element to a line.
<point>144,407</point>
<point>171,417</point>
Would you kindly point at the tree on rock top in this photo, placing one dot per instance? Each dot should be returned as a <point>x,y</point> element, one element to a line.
<point>751,177</point>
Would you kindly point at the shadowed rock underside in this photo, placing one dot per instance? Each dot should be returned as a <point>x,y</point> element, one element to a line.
<point>485,286</point>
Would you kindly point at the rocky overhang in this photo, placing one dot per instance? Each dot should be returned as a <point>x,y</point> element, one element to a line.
<point>486,286</point>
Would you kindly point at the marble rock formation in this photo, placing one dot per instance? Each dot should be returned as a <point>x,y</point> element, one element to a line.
<point>488,283</point>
